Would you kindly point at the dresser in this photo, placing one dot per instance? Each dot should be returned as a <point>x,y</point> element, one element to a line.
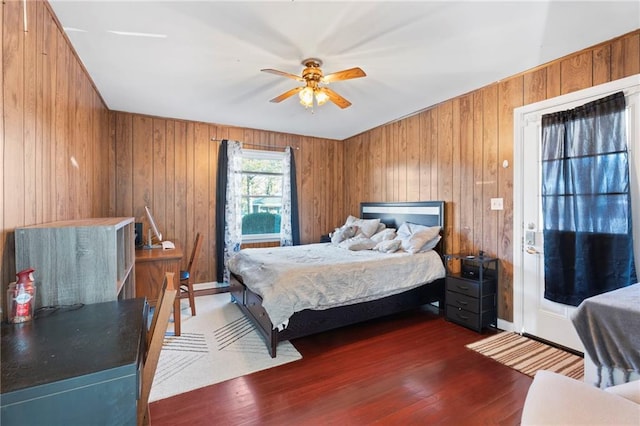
<point>471,285</point>
<point>74,367</point>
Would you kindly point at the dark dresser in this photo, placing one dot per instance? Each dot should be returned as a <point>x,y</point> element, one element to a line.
<point>471,287</point>
<point>74,366</point>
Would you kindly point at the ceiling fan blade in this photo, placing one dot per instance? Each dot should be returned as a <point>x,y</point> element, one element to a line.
<point>343,75</point>
<point>284,74</point>
<point>336,99</point>
<point>286,95</point>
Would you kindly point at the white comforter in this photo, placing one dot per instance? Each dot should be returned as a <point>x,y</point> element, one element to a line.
<point>322,276</point>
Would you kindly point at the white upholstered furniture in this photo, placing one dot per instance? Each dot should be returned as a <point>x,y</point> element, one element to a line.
<point>554,399</point>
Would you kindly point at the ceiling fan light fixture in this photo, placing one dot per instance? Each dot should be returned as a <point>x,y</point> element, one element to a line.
<point>312,76</point>
<point>306,97</point>
<point>321,97</point>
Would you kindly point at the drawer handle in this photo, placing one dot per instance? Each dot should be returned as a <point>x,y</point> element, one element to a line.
<point>463,287</point>
<point>462,302</point>
<point>462,316</point>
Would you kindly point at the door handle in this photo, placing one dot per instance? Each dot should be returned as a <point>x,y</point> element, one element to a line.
<point>532,250</point>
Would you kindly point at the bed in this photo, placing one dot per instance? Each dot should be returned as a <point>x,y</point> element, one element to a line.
<point>248,293</point>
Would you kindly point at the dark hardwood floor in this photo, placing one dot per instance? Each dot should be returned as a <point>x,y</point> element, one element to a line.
<point>410,368</point>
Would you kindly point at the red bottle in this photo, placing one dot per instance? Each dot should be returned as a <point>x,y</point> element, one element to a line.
<point>21,297</point>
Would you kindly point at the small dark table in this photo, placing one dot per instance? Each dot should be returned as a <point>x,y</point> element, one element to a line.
<point>471,288</point>
<point>74,367</point>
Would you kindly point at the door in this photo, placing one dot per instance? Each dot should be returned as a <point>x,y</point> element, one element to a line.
<point>533,314</point>
<point>542,318</point>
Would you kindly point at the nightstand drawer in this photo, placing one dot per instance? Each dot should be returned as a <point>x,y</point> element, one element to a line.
<point>462,317</point>
<point>463,301</point>
<point>470,287</point>
<point>469,303</point>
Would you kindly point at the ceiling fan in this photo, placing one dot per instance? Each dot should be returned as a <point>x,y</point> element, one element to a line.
<point>313,77</point>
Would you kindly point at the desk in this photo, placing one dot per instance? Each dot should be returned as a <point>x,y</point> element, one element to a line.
<point>151,264</point>
<point>74,367</point>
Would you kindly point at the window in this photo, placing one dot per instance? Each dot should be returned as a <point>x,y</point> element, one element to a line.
<point>262,183</point>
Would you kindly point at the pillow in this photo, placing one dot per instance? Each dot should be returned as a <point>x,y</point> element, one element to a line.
<point>385,234</point>
<point>342,233</point>
<point>414,238</point>
<point>366,227</point>
<point>357,244</point>
<point>388,246</point>
<point>431,244</point>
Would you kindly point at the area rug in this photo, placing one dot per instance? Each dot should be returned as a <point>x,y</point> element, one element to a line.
<point>217,344</point>
<point>528,355</point>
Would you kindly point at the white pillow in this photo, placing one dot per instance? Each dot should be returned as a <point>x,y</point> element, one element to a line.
<point>415,237</point>
<point>366,227</point>
<point>385,234</point>
<point>357,244</point>
<point>388,246</point>
<point>430,245</point>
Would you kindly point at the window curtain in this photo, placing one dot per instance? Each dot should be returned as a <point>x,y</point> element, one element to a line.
<point>228,206</point>
<point>289,224</point>
<point>588,245</point>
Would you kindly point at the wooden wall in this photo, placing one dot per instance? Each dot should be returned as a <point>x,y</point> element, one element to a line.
<point>65,156</point>
<point>171,165</point>
<point>454,152</point>
<point>55,129</point>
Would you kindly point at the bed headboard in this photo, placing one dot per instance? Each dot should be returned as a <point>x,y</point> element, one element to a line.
<point>428,213</point>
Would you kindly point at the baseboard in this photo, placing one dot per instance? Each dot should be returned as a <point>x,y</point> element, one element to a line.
<point>505,325</point>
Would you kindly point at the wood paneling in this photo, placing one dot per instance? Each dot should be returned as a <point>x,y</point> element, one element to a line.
<point>510,96</point>
<point>462,144</point>
<point>171,166</point>
<point>65,156</point>
<point>55,129</point>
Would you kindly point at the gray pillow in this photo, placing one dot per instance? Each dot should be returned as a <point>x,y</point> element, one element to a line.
<point>416,238</point>
<point>357,243</point>
<point>385,234</point>
<point>366,227</point>
<point>343,233</point>
<point>388,246</point>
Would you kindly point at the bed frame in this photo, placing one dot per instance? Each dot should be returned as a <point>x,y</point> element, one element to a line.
<point>307,322</point>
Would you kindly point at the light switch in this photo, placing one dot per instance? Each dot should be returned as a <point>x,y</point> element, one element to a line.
<point>496,204</point>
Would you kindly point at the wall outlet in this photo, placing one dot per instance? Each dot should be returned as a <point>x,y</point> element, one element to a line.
<point>496,204</point>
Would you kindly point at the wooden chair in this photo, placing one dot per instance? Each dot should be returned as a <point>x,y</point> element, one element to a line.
<point>155,337</point>
<point>186,284</point>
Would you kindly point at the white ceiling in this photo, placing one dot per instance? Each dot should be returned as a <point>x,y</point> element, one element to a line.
<point>415,54</point>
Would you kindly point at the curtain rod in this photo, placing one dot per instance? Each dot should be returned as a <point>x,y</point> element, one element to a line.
<point>260,145</point>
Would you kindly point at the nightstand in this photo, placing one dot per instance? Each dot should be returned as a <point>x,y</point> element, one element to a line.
<point>471,286</point>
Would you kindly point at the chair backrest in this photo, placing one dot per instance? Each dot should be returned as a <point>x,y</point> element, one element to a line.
<point>195,253</point>
<point>155,337</point>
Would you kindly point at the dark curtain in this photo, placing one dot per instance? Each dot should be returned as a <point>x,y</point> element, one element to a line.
<point>588,245</point>
<point>295,221</point>
<point>221,202</point>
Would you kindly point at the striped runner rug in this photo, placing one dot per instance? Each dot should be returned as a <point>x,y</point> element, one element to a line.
<point>528,355</point>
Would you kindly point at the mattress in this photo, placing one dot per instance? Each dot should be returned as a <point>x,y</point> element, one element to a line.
<point>323,276</point>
